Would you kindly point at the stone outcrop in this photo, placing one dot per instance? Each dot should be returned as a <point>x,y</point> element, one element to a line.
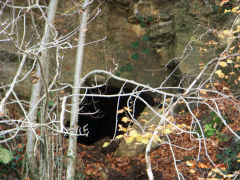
<point>169,25</point>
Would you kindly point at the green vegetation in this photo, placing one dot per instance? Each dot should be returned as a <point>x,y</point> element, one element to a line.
<point>138,45</point>
<point>215,127</point>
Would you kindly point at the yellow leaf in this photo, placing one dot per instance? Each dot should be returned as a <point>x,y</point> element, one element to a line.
<point>121,128</point>
<point>119,136</point>
<point>125,119</point>
<point>147,135</point>
<point>192,171</point>
<point>229,61</point>
<point>133,133</point>
<point>202,91</point>
<point>221,36</point>
<point>212,43</point>
<point>237,30</point>
<point>129,139</point>
<point>127,109</point>
<point>138,138</point>
<point>238,59</point>
<point>144,140</point>
<point>235,10</point>
<point>227,33</point>
<point>203,49</point>
<point>226,11</point>
<point>223,64</point>
<point>161,110</point>
<point>170,118</point>
<point>156,138</point>
<point>220,73</point>
<point>106,144</point>
<point>188,163</point>
<point>144,113</point>
<point>166,131</point>
<point>120,111</point>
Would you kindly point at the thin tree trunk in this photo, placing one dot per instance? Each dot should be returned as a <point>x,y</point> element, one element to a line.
<point>46,166</point>
<point>75,99</point>
<point>42,69</point>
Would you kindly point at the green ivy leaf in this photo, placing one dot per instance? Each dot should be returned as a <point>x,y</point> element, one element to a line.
<point>219,156</point>
<point>145,37</point>
<point>149,19</point>
<point>142,24</point>
<point>118,74</point>
<point>38,114</point>
<point>146,51</point>
<point>135,44</point>
<point>122,69</point>
<point>210,133</point>
<point>208,127</point>
<point>129,67</point>
<point>5,155</point>
<point>141,18</point>
<point>135,56</point>
<point>50,104</point>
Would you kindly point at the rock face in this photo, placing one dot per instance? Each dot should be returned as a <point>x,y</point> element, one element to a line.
<point>140,38</point>
<point>136,39</point>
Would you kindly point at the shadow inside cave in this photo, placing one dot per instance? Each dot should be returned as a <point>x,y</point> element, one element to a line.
<point>98,111</point>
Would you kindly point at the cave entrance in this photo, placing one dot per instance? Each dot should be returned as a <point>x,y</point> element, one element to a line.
<point>98,111</point>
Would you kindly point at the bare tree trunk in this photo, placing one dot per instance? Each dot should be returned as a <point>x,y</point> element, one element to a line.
<point>75,99</point>
<point>42,70</point>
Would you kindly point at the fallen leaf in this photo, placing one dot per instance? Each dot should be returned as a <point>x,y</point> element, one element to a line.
<point>129,139</point>
<point>188,163</point>
<point>220,73</point>
<point>212,43</point>
<point>192,171</point>
<point>202,91</point>
<point>227,33</point>
<point>203,49</point>
<point>106,144</point>
<point>144,140</point>
<point>223,64</point>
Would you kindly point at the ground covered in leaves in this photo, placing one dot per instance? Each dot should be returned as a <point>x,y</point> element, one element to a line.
<point>185,154</point>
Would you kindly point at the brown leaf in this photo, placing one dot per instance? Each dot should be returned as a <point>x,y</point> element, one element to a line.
<point>34,81</point>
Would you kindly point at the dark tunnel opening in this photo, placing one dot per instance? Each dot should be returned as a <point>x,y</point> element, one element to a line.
<point>98,114</point>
